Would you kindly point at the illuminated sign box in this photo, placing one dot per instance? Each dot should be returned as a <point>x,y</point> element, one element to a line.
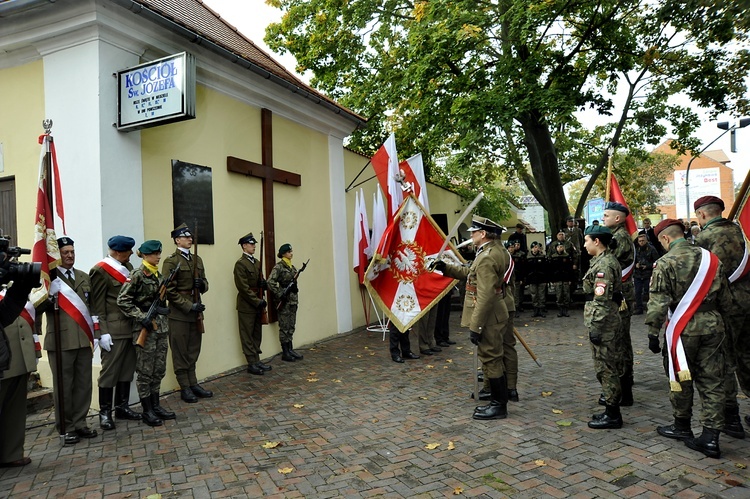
<point>156,93</point>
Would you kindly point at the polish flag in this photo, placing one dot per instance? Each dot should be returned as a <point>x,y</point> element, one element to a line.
<point>615,194</point>
<point>361,236</point>
<point>385,164</point>
<point>743,219</point>
<point>413,170</point>
<point>379,220</point>
<point>398,277</point>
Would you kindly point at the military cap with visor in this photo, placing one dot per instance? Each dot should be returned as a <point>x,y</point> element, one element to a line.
<point>181,231</point>
<point>485,224</point>
<point>247,239</point>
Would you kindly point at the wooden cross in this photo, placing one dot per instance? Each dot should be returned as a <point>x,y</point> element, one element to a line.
<point>268,175</point>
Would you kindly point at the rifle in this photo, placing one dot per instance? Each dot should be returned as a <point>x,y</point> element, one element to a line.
<point>259,290</point>
<point>285,294</point>
<point>196,291</point>
<point>153,309</point>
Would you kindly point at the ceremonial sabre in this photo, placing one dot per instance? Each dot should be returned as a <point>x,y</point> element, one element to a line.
<point>454,230</point>
<point>476,370</point>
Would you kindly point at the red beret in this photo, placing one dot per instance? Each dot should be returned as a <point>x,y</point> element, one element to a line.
<point>667,222</point>
<point>708,200</point>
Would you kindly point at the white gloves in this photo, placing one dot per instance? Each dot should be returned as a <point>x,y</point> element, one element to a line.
<point>106,342</point>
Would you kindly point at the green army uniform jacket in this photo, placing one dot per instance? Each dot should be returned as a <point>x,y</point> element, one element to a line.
<point>180,290</point>
<point>247,277</point>
<point>72,337</point>
<point>104,292</point>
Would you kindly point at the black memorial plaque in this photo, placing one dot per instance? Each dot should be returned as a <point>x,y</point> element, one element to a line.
<point>192,199</point>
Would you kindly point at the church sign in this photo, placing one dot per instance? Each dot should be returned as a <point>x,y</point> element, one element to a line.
<point>156,93</point>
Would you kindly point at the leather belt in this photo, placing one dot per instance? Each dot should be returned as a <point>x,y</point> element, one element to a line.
<point>473,289</point>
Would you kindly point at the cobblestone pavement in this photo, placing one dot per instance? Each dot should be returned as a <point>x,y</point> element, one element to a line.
<point>352,423</point>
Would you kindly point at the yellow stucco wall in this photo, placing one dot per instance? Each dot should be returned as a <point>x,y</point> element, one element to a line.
<point>22,111</point>
<point>225,127</point>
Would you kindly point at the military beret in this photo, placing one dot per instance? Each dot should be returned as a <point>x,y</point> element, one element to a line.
<point>64,241</point>
<point>121,243</point>
<point>667,222</point>
<point>150,246</point>
<point>181,231</point>
<point>559,244</point>
<point>597,230</point>
<point>485,224</point>
<point>534,244</point>
<point>703,201</point>
<point>283,249</point>
<point>248,239</point>
<point>614,205</point>
<point>561,231</point>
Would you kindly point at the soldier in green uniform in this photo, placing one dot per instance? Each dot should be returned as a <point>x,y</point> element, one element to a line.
<point>725,239</point>
<point>76,340</point>
<point>614,218</point>
<point>603,288</point>
<point>114,331</point>
<point>689,281</point>
<point>485,311</point>
<point>248,279</point>
<point>136,296</point>
<point>562,266</point>
<point>281,277</point>
<point>536,280</point>
<point>185,335</point>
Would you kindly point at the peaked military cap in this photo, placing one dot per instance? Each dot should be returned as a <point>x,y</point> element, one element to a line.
<point>614,205</point>
<point>121,243</point>
<point>248,239</point>
<point>283,249</point>
<point>485,224</point>
<point>150,246</point>
<point>667,222</point>
<point>703,201</point>
<point>181,231</point>
<point>597,230</point>
<point>64,241</point>
<point>570,218</point>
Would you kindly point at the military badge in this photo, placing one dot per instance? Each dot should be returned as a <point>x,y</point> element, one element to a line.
<point>600,288</point>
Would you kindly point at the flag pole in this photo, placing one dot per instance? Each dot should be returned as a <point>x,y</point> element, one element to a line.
<point>610,152</point>
<point>740,199</point>
<point>48,172</point>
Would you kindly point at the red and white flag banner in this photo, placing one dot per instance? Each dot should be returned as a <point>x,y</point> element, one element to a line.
<point>685,310</point>
<point>398,277</point>
<point>45,248</point>
<point>743,219</point>
<point>385,164</point>
<point>413,171</point>
<point>615,194</point>
<point>361,250</point>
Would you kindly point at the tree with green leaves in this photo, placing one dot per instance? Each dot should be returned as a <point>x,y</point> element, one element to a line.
<point>491,90</point>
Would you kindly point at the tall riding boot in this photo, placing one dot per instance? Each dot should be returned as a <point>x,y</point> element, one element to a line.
<point>286,355</point>
<point>122,402</point>
<point>611,419</point>
<point>149,417</point>
<point>105,409</point>
<point>498,407</point>
<point>707,443</point>
<point>626,384</point>
<point>159,410</point>
<point>294,354</point>
<point>680,430</point>
<point>733,423</point>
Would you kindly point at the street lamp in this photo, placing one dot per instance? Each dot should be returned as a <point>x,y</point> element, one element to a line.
<point>727,127</point>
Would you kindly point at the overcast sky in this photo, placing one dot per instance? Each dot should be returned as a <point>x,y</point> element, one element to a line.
<point>252,16</point>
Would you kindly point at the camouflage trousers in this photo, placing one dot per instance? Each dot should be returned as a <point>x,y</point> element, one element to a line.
<point>625,346</point>
<point>562,293</point>
<point>608,367</point>
<point>705,356</point>
<point>151,363</point>
<point>287,322</point>
<point>538,295</point>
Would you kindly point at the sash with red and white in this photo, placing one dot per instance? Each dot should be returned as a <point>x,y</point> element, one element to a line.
<point>628,271</point>
<point>72,305</point>
<point>742,268</point>
<point>509,273</point>
<point>679,319</point>
<point>115,269</point>
<point>29,315</point>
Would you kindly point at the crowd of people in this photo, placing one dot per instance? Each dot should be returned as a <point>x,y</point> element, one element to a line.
<point>135,317</point>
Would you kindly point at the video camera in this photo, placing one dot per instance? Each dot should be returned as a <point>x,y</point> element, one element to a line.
<point>11,270</point>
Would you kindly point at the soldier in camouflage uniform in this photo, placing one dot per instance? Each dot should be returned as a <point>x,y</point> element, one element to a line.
<point>563,264</point>
<point>603,287</point>
<point>724,239</point>
<point>282,275</point>
<point>536,280</point>
<point>614,218</point>
<point>485,311</point>
<point>136,296</point>
<point>186,311</point>
<point>676,273</point>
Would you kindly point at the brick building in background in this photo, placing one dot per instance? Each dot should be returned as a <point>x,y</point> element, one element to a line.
<point>709,176</point>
